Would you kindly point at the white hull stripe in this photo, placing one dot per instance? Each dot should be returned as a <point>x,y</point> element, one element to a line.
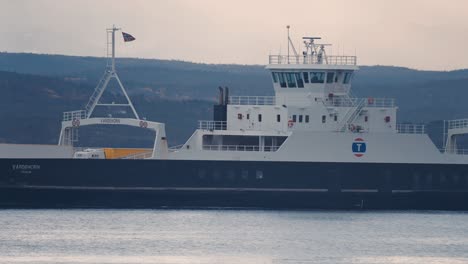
<point>216,189</point>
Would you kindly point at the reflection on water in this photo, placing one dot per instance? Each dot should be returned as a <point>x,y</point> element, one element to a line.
<point>231,236</point>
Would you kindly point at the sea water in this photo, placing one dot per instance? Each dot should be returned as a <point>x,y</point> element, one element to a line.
<point>232,236</point>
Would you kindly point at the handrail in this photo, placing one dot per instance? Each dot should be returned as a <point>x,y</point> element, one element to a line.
<point>175,148</point>
<point>457,123</point>
<point>142,155</point>
<point>455,151</point>
<point>411,128</point>
<point>368,102</point>
<point>240,148</point>
<point>212,125</point>
<point>74,115</point>
<point>312,59</point>
<point>252,100</point>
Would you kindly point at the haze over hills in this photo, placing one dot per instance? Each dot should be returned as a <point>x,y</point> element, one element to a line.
<point>37,88</point>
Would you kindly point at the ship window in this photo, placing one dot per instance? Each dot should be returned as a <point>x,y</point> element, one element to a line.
<point>300,83</point>
<point>291,80</point>
<point>306,77</point>
<point>278,118</point>
<point>259,174</point>
<point>300,118</point>
<point>239,116</point>
<point>259,117</point>
<point>335,118</point>
<point>294,118</point>
<point>347,77</point>
<point>248,116</point>
<point>282,79</point>
<point>245,174</point>
<point>317,77</point>
<point>337,76</point>
<point>307,118</point>
<point>330,76</point>
<point>275,77</point>
<point>366,118</point>
<point>324,118</point>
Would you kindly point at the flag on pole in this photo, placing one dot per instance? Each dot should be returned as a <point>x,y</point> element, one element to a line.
<point>127,37</point>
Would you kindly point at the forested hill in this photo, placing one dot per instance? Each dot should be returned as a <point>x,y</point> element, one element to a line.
<point>37,88</point>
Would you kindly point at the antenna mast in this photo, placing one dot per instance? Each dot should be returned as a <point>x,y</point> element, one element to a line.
<point>290,43</point>
<point>109,73</point>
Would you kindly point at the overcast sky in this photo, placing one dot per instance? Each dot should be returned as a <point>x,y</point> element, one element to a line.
<point>422,34</point>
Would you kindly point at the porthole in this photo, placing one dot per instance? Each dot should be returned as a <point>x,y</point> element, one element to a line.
<point>231,175</point>
<point>201,174</point>
<point>259,174</point>
<point>245,174</point>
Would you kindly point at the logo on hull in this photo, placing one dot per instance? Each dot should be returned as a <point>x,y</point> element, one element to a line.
<point>359,147</point>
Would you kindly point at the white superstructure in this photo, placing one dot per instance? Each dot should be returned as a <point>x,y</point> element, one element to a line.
<point>312,117</point>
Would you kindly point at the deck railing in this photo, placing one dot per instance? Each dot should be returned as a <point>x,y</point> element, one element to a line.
<point>312,59</point>
<point>252,100</point>
<point>460,151</point>
<point>411,128</point>
<point>240,148</point>
<point>457,123</point>
<point>212,125</point>
<point>74,115</point>
<point>141,155</point>
<point>368,102</point>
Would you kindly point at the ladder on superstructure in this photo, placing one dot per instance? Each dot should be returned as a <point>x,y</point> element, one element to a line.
<point>351,115</point>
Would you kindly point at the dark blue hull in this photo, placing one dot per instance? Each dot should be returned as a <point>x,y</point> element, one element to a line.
<point>67,183</point>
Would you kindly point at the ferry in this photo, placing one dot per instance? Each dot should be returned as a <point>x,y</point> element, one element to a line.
<point>313,145</point>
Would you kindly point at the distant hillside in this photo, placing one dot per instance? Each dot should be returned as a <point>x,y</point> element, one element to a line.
<point>171,79</point>
<point>32,106</point>
<point>36,89</point>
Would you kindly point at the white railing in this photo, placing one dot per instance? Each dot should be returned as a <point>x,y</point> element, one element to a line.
<point>312,59</point>
<point>141,155</point>
<point>368,102</point>
<point>74,115</point>
<point>212,125</point>
<point>457,123</point>
<point>411,128</point>
<point>456,151</point>
<point>252,100</point>
<point>240,148</point>
<point>175,148</point>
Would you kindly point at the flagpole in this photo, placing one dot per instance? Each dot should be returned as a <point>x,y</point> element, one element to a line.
<point>113,47</point>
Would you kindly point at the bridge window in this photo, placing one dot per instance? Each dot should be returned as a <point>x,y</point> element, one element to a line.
<point>294,118</point>
<point>306,77</point>
<point>347,77</point>
<point>291,80</point>
<point>278,118</point>
<point>324,119</point>
<point>282,79</point>
<point>275,77</point>
<point>317,77</point>
<point>300,83</point>
<point>259,117</point>
<point>300,118</point>
<point>330,77</point>
<point>307,118</point>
